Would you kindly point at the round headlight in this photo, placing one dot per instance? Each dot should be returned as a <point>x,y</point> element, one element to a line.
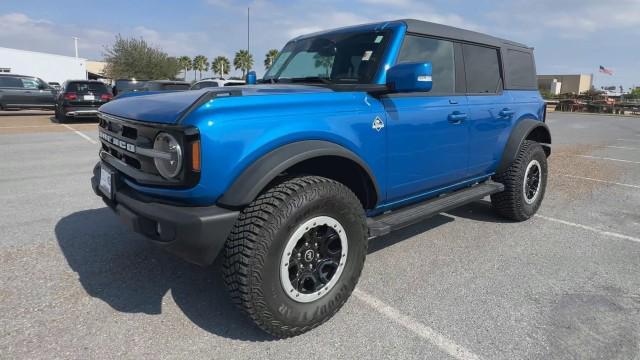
<point>169,161</point>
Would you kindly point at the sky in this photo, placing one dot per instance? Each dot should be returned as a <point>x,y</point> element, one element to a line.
<point>570,36</point>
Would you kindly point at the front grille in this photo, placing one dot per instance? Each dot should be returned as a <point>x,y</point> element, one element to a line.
<point>128,144</point>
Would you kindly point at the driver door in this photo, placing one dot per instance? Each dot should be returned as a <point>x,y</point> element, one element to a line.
<point>428,135</point>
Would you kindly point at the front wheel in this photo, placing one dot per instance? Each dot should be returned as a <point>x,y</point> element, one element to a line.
<point>296,254</point>
<point>525,182</point>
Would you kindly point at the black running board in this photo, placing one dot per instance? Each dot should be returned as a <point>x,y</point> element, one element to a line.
<point>388,222</point>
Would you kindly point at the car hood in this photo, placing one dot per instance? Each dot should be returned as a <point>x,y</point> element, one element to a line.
<point>169,108</point>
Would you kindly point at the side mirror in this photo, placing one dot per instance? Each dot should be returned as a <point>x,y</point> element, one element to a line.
<point>251,78</point>
<point>410,77</point>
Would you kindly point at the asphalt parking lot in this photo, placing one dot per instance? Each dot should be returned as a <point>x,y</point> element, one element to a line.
<point>465,284</point>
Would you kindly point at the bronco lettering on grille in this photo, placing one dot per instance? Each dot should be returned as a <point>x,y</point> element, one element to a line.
<point>117,142</point>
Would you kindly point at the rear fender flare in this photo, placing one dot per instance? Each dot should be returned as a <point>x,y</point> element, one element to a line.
<point>520,132</point>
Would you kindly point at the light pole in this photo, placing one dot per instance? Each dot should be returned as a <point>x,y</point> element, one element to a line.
<point>75,42</point>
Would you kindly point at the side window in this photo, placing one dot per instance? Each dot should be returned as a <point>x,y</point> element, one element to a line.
<point>521,74</point>
<point>482,69</point>
<point>439,53</point>
<point>10,82</point>
<point>29,83</point>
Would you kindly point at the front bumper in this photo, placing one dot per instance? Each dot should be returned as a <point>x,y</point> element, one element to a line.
<point>196,234</point>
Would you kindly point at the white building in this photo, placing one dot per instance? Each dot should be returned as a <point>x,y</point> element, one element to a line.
<point>48,67</point>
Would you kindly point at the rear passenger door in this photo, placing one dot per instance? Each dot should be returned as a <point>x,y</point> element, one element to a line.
<point>490,112</point>
<point>12,92</point>
<point>427,134</point>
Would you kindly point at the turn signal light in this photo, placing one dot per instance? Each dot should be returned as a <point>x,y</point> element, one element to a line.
<point>195,156</point>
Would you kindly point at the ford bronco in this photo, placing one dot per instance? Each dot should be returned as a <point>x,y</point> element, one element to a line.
<point>351,134</point>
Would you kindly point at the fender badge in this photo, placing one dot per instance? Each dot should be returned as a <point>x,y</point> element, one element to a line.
<point>378,124</point>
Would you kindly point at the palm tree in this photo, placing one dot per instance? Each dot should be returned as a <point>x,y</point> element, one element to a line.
<point>221,65</point>
<point>325,62</point>
<point>185,63</point>
<point>243,61</point>
<point>269,58</point>
<point>200,64</point>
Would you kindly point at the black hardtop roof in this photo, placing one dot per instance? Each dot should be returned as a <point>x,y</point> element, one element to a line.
<point>450,32</point>
<point>437,30</point>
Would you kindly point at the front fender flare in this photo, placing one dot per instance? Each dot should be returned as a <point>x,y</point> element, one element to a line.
<point>246,187</point>
<point>520,132</point>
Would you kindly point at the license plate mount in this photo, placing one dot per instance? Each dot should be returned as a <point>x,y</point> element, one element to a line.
<point>107,181</point>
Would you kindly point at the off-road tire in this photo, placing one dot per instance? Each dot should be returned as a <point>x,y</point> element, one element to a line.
<point>511,203</point>
<point>256,244</point>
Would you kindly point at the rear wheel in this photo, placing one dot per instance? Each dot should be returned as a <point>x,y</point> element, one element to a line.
<point>296,254</point>
<point>525,182</point>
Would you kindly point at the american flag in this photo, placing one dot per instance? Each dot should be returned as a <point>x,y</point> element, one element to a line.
<point>604,70</point>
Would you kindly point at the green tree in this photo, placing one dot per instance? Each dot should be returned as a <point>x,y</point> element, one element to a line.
<point>185,63</point>
<point>325,62</point>
<point>243,61</point>
<point>636,92</point>
<point>134,58</point>
<point>200,64</point>
<point>269,58</point>
<point>221,66</point>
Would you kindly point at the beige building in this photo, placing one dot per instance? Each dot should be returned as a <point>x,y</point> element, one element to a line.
<point>564,84</point>
<point>95,70</point>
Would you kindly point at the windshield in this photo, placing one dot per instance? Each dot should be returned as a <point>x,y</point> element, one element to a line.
<point>348,58</point>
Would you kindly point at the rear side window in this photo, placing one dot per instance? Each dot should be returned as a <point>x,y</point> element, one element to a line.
<point>9,81</point>
<point>520,70</point>
<point>86,87</point>
<point>439,53</point>
<point>482,69</point>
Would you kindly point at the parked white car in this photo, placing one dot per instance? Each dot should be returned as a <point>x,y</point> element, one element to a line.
<point>205,83</point>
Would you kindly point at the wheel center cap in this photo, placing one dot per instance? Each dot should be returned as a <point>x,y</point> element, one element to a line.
<point>309,255</point>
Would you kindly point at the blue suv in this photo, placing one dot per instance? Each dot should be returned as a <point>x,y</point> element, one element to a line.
<point>351,134</point>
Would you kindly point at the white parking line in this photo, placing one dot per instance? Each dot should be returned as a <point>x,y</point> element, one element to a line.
<point>634,140</point>
<point>609,159</point>
<point>585,227</point>
<point>622,147</point>
<point>81,134</point>
<point>416,327</point>
<point>602,181</point>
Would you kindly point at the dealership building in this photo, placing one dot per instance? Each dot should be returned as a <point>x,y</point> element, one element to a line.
<point>48,67</point>
<point>565,84</point>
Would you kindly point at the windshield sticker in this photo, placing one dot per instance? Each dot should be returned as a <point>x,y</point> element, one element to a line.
<point>367,55</point>
<point>378,39</point>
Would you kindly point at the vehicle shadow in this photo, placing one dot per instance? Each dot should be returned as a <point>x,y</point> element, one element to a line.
<point>83,120</point>
<point>133,276</point>
<point>480,210</point>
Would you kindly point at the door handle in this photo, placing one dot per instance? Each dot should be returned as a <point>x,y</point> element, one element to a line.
<point>457,117</point>
<point>506,112</point>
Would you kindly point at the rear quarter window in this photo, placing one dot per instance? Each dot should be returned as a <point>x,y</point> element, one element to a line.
<point>520,72</point>
<point>10,82</point>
